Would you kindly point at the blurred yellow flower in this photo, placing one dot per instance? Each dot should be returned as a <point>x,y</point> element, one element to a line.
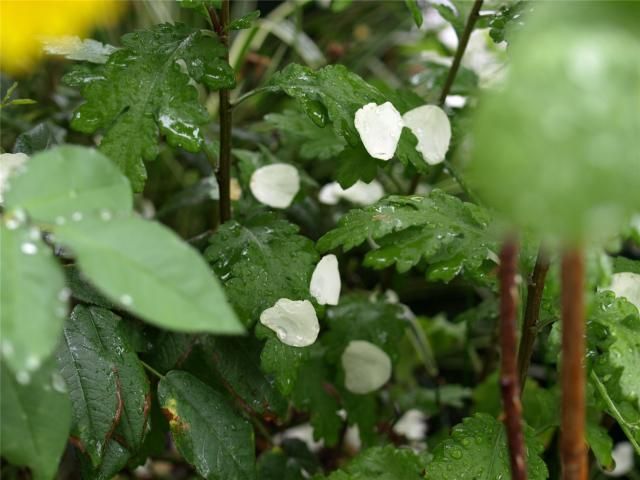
<point>24,23</point>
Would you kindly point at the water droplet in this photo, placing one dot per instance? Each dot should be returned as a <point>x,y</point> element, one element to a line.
<point>456,453</point>
<point>61,311</point>
<point>23,377</point>
<point>76,216</point>
<point>11,223</point>
<point>7,348</point>
<point>29,248</point>
<point>58,383</point>
<point>60,220</point>
<point>126,300</point>
<point>64,294</point>
<point>105,215</point>
<point>32,363</point>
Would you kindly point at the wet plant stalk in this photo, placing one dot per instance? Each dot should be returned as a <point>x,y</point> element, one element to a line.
<point>535,289</point>
<point>573,452</point>
<point>509,382</point>
<point>224,169</point>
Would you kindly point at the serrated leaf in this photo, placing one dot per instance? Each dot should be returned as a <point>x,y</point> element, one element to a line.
<point>245,21</point>
<point>69,182</point>
<point>33,301</point>
<point>416,11</point>
<point>41,137</point>
<point>266,256</point>
<point>153,273</point>
<point>508,20</point>
<point>451,236</point>
<point>477,450</point>
<point>312,395</point>
<point>613,334</point>
<point>107,384</point>
<point>383,463</point>
<point>334,94</point>
<point>207,432</point>
<point>315,142</point>
<point>142,91</point>
<point>36,417</point>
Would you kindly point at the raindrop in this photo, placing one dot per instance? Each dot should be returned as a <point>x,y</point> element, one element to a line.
<point>7,348</point>
<point>23,377</point>
<point>58,383</point>
<point>60,220</point>
<point>64,294</point>
<point>76,216</point>
<point>32,363</point>
<point>29,248</point>
<point>105,215</point>
<point>126,300</point>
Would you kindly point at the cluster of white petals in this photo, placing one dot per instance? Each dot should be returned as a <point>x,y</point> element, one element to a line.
<point>380,127</point>
<point>366,367</point>
<point>360,193</point>
<point>9,163</point>
<point>275,185</point>
<point>627,285</point>
<point>325,281</point>
<point>412,425</point>
<point>294,321</point>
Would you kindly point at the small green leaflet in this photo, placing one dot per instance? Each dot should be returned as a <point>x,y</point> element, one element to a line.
<point>292,460</point>
<point>142,91</point>
<point>70,183</point>
<point>384,463</point>
<point>477,450</point>
<point>149,270</point>
<point>35,420</point>
<point>206,430</point>
<point>107,385</point>
<point>613,334</point>
<point>452,236</point>
<point>266,256</point>
<point>246,21</point>
<point>43,136</point>
<point>334,94</point>
<point>33,298</point>
<point>416,11</point>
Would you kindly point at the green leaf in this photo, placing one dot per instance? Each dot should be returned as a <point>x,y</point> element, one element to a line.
<point>334,94</point>
<point>148,270</point>
<point>115,459</point>
<point>601,444</point>
<point>142,91</point>
<point>35,420</point>
<point>507,21</point>
<point>477,449</point>
<point>265,256</point>
<point>290,461</point>
<point>41,137</point>
<point>69,183</point>
<point>622,264</point>
<point>384,463</point>
<point>451,236</point>
<point>33,300</point>
<point>108,387</point>
<point>246,21</point>
<point>206,431</point>
<point>613,334</point>
<point>237,362</point>
<point>415,10</point>
<point>315,142</point>
<point>311,395</point>
<point>355,164</point>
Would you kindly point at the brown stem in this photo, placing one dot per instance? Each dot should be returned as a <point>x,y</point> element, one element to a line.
<point>455,66</point>
<point>224,169</point>
<point>532,315</point>
<point>573,452</point>
<point>509,383</point>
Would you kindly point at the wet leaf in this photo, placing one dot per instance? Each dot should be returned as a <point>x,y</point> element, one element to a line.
<point>206,430</point>
<point>383,463</point>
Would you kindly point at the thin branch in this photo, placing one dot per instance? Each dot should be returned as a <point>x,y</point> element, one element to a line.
<point>455,66</point>
<point>224,169</point>
<point>509,383</point>
<point>530,327</point>
<point>573,452</point>
<point>250,94</point>
<point>151,369</point>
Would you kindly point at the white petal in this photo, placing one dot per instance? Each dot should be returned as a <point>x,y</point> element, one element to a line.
<point>9,163</point>
<point>294,321</point>
<point>302,432</point>
<point>412,425</point>
<point>431,127</point>
<point>627,285</point>
<point>379,127</point>
<point>275,185</point>
<point>330,194</point>
<point>366,367</point>
<point>362,193</point>
<point>325,281</point>
<point>623,456</point>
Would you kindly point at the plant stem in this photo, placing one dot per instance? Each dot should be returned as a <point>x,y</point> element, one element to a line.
<point>250,94</point>
<point>530,325</point>
<point>224,169</point>
<point>573,453</point>
<point>451,170</point>
<point>151,369</point>
<point>455,66</point>
<point>509,383</point>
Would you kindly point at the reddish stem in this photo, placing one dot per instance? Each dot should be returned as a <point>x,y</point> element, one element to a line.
<point>573,450</point>
<point>509,382</point>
